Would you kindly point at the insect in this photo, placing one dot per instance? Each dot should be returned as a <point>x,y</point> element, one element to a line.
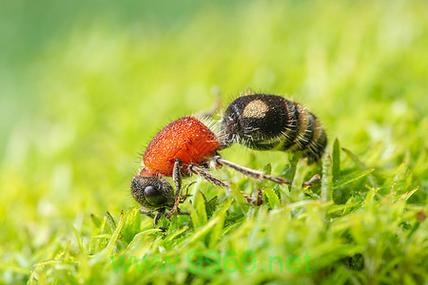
<point>270,122</point>
<point>190,145</point>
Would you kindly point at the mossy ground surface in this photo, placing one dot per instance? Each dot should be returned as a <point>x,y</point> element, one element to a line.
<point>85,87</point>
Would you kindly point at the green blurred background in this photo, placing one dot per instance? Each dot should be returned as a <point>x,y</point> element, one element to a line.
<point>84,85</point>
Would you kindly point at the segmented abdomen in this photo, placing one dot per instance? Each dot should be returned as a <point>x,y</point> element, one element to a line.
<point>270,122</point>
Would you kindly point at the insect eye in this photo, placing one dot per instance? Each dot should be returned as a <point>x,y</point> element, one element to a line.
<point>154,196</point>
<point>151,191</point>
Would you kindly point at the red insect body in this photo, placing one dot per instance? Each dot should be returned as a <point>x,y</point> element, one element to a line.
<point>187,139</point>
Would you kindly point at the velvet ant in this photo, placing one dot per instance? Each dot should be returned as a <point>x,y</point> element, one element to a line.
<point>190,145</point>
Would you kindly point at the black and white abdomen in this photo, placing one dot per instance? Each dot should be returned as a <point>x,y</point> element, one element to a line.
<point>270,122</point>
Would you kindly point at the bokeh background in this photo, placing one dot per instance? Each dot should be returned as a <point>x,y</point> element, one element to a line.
<point>84,85</point>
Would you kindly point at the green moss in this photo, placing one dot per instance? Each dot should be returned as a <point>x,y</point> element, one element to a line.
<point>97,93</point>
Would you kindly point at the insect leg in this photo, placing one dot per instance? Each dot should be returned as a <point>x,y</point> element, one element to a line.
<point>256,201</point>
<point>248,171</point>
<point>176,176</point>
<point>149,213</point>
<point>153,214</point>
<point>157,216</point>
<point>183,197</point>
<point>312,180</point>
<point>196,169</point>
